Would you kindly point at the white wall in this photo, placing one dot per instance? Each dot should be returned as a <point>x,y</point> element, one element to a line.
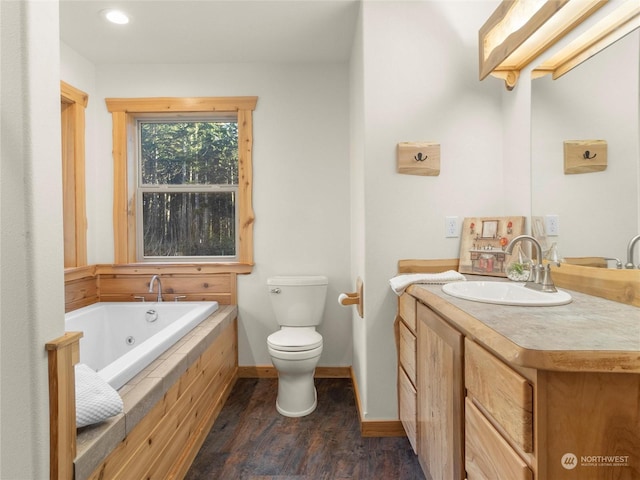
<point>516,144</point>
<point>357,160</point>
<point>31,250</point>
<point>301,177</point>
<point>420,84</point>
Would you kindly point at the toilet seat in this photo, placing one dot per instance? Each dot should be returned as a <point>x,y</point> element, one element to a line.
<point>295,339</point>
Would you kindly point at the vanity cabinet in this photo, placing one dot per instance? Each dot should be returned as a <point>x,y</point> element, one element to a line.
<point>407,346</point>
<point>487,453</point>
<point>476,404</point>
<point>498,418</point>
<point>440,403</point>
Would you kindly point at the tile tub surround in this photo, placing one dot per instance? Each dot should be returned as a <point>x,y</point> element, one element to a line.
<point>142,393</point>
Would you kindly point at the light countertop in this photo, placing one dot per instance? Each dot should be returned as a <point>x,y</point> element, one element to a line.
<point>588,334</point>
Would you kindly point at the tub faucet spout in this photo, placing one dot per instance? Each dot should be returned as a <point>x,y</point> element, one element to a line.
<point>632,244</point>
<point>542,273</point>
<point>155,279</point>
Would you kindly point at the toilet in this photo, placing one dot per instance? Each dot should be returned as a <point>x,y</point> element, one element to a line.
<point>298,304</point>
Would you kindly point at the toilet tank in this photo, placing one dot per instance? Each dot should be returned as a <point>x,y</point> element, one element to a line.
<point>298,301</point>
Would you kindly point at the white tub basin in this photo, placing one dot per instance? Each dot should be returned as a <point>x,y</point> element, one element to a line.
<point>505,293</point>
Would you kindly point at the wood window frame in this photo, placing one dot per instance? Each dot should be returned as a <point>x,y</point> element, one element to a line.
<point>73,103</point>
<point>124,112</point>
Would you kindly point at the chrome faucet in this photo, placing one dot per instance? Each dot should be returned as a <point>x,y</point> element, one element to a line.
<point>614,259</point>
<point>632,243</point>
<point>151,283</point>
<point>541,273</point>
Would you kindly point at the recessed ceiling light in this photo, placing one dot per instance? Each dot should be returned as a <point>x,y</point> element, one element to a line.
<point>115,16</point>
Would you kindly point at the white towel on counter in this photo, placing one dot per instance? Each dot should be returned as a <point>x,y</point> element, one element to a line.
<point>401,282</point>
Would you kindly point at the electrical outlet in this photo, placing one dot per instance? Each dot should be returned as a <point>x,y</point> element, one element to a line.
<point>451,229</point>
<point>552,225</point>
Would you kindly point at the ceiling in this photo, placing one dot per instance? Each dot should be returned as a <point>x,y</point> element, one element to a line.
<point>211,31</point>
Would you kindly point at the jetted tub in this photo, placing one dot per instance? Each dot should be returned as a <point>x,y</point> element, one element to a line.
<point>121,338</point>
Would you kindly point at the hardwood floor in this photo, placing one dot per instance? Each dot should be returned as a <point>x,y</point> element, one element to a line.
<point>251,441</point>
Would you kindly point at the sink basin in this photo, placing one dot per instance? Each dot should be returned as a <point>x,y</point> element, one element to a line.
<point>505,293</point>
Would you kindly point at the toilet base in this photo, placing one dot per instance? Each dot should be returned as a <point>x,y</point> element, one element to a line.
<point>297,395</point>
<point>299,413</point>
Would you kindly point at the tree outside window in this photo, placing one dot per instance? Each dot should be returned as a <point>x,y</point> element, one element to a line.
<point>183,180</point>
<point>187,188</point>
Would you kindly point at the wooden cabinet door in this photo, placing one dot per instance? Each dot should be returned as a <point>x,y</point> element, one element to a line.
<point>440,397</point>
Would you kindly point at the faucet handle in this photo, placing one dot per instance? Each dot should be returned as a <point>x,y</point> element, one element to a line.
<point>547,282</point>
<point>536,272</point>
<point>614,259</point>
<point>177,298</point>
<point>138,297</point>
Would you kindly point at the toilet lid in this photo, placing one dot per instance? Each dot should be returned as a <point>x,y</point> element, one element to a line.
<point>295,339</point>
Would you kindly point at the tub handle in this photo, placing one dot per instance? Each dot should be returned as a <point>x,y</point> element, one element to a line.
<point>275,290</point>
<point>151,315</point>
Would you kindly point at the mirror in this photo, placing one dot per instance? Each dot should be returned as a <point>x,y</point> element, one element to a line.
<point>598,212</point>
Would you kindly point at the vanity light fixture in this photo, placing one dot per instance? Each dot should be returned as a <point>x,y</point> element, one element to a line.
<point>115,16</point>
<point>620,22</point>
<point>520,30</point>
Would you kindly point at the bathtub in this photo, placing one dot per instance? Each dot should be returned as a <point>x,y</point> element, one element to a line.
<point>121,338</point>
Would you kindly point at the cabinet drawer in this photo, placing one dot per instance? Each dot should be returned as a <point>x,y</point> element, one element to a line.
<point>408,352</point>
<point>408,407</point>
<point>503,393</point>
<point>408,310</point>
<point>487,454</point>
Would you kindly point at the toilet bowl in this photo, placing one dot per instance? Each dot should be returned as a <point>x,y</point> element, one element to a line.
<point>295,349</point>
<point>297,394</point>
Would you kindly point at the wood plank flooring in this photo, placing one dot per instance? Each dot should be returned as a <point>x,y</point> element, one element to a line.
<point>251,441</point>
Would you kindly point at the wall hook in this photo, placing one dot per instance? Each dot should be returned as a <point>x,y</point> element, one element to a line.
<point>420,158</point>
<point>587,153</point>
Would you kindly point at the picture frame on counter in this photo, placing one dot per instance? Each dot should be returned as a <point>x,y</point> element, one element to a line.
<point>483,241</point>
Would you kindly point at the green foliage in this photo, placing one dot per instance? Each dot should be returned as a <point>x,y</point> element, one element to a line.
<point>189,223</point>
<point>518,267</point>
<point>189,153</point>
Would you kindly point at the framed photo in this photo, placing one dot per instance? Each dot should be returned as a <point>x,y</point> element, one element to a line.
<point>489,228</point>
<point>483,241</point>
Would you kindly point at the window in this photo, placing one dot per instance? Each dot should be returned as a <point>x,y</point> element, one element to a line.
<point>187,185</point>
<point>182,180</point>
